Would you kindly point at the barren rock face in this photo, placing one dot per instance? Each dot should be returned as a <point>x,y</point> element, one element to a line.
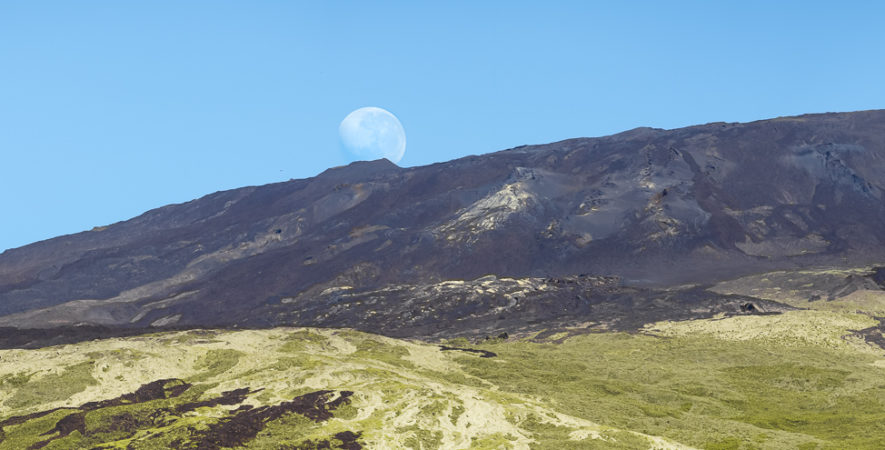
<point>658,207</point>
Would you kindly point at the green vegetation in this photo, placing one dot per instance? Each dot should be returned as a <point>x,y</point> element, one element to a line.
<point>301,340</point>
<point>457,342</point>
<point>291,430</point>
<point>62,385</point>
<point>700,391</point>
<point>493,441</point>
<point>29,433</point>
<point>796,380</point>
<point>15,380</point>
<point>418,438</point>
<point>457,411</point>
<point>216,362</point>
<point>380,351</point>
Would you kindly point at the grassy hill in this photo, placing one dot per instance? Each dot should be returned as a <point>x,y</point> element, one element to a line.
<point>802,379</point>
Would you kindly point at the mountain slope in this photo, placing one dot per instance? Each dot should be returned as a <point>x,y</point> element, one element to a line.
<point>653,207</point>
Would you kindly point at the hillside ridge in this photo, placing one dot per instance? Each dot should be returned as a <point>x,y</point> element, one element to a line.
<point>653,208</point>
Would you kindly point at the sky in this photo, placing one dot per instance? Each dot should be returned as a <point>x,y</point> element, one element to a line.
<point>110,108</point>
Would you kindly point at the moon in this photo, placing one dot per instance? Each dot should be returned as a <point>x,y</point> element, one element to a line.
<point>371,133</point>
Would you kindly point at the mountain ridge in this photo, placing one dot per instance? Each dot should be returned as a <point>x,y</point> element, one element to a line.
<point>512,149</point>
<point>652,207</point>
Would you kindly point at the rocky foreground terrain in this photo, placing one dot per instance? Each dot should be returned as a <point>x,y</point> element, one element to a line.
<point>719,286</point>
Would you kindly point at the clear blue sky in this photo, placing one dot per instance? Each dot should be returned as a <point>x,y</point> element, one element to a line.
<point>110,108</point>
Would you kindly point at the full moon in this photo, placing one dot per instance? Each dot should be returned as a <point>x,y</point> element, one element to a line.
<point>372,133</point>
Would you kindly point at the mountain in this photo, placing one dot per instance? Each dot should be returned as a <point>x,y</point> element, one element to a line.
<point>587,230</point>
<point>717,287</point>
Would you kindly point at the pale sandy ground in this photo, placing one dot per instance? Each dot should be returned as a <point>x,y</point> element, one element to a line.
<point>793,328</point>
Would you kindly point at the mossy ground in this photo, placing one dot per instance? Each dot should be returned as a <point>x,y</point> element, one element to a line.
<point>702,391</point>
<point>797,380</point>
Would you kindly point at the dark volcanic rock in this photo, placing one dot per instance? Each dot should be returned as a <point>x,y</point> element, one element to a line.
<point>492,306</point>
<point>481,353</point>
<point>238,427</point>
<point>874,335</point>
<point>64,427</point>
<point>125,422</point>
<point>654,207</point>
<point>247,423</point>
